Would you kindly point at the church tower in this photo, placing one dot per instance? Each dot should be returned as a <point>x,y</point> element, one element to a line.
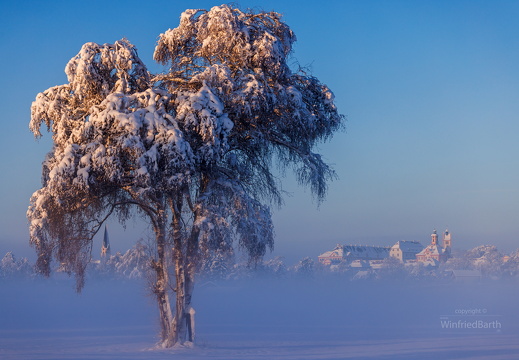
<point>105,248</point>
<point>447,242</point>
<point>434,238</point>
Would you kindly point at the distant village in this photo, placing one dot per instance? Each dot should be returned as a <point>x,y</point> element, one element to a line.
<point>413,260</point>
<point>407,252</point>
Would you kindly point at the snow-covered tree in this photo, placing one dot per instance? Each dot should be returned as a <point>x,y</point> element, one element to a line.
<point>8,264</point>
<point>274,267</point>
<point>135,262</point>
<point>459,260</point>
<point>305,267</point>
<point>392,268</point>
<point>192,150</point>
<point>511,267</point>
<point>12,267</point>
<point>241,271</point>
<point>217,264</point>
<point>486,258</point>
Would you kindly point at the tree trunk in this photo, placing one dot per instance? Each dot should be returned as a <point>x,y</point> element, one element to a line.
<point>161,286</point>
<point>192,258</point>
<point>191,325</point>
<point>185,260</point>
<point>190,312</point>
<point>180,293</point>
<point>192,261</point>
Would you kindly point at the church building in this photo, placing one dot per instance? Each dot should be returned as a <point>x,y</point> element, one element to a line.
<point>105,247</point>
<point>436,252</point>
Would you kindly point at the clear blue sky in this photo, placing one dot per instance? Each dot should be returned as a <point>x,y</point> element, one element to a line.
<point>430,90</point>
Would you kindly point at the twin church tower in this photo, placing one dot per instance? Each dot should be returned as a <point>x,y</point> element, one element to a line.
<point>436,251</point>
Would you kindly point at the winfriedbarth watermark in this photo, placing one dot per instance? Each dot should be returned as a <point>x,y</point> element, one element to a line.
<point>471,320</point>
<point>464,324</point>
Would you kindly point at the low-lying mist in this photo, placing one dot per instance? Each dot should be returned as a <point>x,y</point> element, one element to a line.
<point>324,310</point>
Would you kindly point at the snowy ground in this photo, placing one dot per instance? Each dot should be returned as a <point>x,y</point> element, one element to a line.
<point>283,319</point>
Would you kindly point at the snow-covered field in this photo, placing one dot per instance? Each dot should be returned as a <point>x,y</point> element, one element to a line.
<point>320,318</point>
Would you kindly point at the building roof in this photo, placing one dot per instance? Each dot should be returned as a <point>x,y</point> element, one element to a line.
<point>337,252</point>
<point>366,251</point>
<point>408,246</point>
<point>432,250</point>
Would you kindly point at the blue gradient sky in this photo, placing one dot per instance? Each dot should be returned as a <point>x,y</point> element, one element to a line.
<point>430,90</point>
